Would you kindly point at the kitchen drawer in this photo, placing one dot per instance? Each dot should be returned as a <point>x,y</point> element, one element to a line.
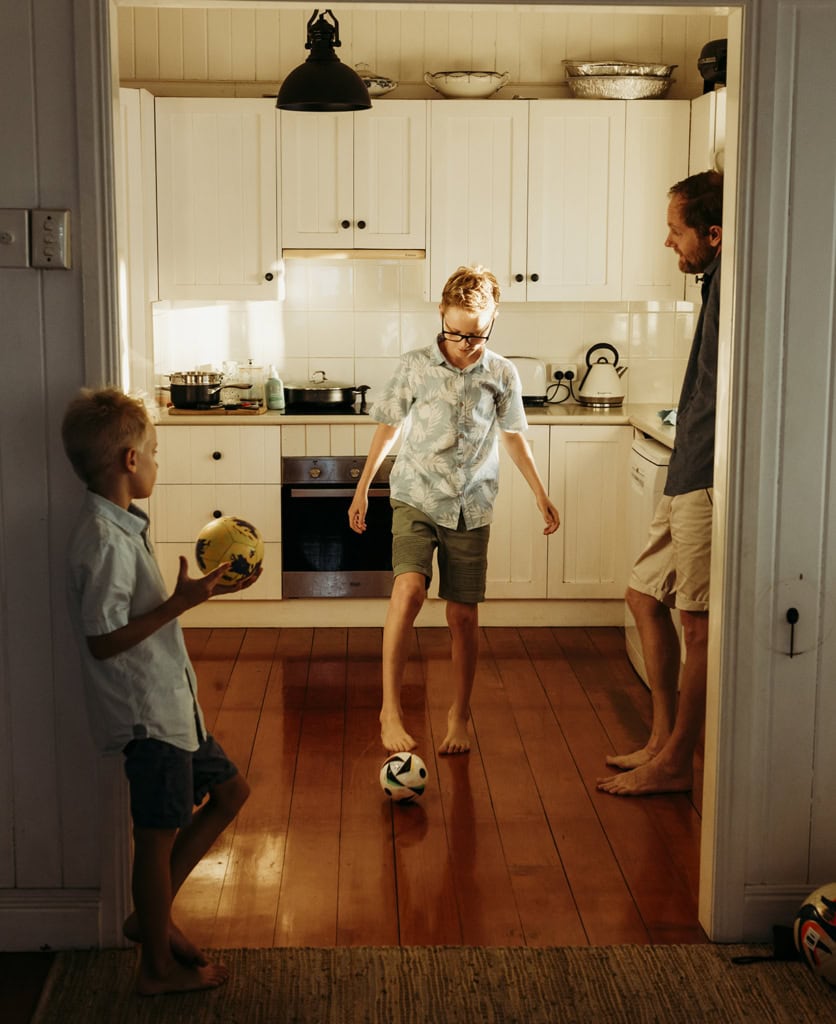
<point>219,455</point>
<point>179,511</point>
<point>268,587</point>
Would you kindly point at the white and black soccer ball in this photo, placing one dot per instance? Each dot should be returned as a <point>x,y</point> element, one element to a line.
<point>403,776</point>
<point>814,932</point>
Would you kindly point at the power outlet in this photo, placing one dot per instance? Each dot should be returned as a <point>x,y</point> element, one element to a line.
<point>563,368</point>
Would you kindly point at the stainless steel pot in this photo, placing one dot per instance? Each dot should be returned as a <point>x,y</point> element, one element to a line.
<point>321,391</point>
<point>195,390</point>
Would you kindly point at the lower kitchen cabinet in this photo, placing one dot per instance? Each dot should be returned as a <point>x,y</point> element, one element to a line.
<point>589,483</point>
<point>206,472</point>
<point>518,549</point>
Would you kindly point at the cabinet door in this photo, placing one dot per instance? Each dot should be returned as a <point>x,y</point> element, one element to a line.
<point>219,455</point>
<point>589,483</point>
<point>390,172</point>
<point>656,157</point>
<point>518,549</point>
<point>216,198</point>
<point>317,180</point>
<point>575,200</point>
<point>478,191</point>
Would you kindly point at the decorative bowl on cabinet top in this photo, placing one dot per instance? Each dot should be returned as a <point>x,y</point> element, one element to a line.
<point>469,85</point>
<point>378,85</point>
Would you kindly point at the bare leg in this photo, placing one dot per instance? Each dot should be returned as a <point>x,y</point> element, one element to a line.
<point>188,848</point>
<point>159,971</point>
<point>408,593</point>
<point>671,770</point>
<point>660,647</point>
<point>463,620</point>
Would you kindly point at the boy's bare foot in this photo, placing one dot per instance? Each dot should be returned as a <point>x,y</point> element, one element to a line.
<point>652,777</point>
<point>393,735</point>
<point>180,979</point>
<point>182,947</point>
<point>457,740</point>
<point>626,762</point>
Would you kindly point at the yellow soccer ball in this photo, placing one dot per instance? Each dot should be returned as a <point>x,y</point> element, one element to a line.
<point>229,539</point>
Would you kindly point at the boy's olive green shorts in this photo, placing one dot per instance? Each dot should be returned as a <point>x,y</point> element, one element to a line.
<point>462,553</point>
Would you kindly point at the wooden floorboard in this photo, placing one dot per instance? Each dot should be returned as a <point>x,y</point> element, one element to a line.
<point>511,844</point>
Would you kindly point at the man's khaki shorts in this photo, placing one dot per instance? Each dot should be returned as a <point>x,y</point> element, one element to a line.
<point>462,554</point>
<point>675,565</point>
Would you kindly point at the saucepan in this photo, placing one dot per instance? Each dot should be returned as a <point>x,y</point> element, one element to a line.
<point>321,391</point>
<point>196,390</point>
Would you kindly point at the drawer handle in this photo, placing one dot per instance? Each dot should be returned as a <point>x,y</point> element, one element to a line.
<point>345,223</point>
<point>217,514</point>
<point>535,277</point>
<point>361,224</point>
<point>519,278</point>
<point>217,456</point>
<point>268,277</point>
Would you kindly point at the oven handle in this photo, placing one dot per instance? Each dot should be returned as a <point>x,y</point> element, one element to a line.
<point>335,492</point>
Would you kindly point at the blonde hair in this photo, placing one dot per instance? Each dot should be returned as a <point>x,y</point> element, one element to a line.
<point>98,427</point>
<point>472,288</point>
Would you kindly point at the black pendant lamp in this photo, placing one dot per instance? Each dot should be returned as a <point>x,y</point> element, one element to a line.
<point>323,82</point>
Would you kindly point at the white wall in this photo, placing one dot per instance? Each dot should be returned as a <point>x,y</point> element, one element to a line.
<point>352,318</point>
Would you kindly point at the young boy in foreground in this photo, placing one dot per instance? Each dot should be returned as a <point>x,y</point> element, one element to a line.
<point>140,686</point>
<point>448,403</point>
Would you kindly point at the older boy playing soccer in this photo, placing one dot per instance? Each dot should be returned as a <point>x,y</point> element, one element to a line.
<point>448,402</point>
<point>139,683</point>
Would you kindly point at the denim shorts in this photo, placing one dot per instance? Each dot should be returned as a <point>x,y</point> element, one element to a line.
<point>462,554</point>
<point>167,783</point>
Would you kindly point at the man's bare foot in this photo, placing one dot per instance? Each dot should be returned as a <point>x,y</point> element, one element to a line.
<point>182,948</point>
<point>457,740</point>
<point>626,762</point>
<point>652,777</point>
<point>180,978</point>
<point>393,735</point>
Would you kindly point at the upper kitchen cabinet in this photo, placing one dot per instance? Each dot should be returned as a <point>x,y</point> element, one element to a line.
<point>217,224</point>
<point>355,180</point>
<point>706,151</point>
<point>534,190</point>
<point>656,156</point>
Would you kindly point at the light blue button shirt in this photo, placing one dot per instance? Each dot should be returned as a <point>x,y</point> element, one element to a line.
<point>448,461</point>
<point>150,690</point>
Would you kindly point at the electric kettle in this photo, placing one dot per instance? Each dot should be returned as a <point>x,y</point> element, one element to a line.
<point>601,384</point>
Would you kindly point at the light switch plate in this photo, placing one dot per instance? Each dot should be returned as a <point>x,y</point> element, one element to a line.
<point>14,238</point>
<point>51,239</point>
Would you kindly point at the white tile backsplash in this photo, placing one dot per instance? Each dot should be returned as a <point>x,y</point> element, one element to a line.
<point>352,318</point>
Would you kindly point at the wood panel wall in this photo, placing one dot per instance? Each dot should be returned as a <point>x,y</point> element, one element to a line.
<point>220,51</point>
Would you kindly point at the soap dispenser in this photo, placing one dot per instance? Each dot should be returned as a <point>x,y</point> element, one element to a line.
<point>274,391</point>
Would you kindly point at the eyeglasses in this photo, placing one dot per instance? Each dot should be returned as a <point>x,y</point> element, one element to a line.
<point>460,339</point>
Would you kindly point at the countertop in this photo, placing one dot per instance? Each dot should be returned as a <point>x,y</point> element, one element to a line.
<point>644,417</point>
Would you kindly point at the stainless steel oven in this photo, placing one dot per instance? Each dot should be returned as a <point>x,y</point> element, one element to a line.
<point>321,556</point>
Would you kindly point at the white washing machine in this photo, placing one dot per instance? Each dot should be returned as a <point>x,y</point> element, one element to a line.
<point>648,470</point>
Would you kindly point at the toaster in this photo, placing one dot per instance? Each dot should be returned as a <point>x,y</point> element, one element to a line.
<point>532,377</point>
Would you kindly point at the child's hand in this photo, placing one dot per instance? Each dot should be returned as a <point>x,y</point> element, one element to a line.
<point>194,590</point>
<point>233,588</point>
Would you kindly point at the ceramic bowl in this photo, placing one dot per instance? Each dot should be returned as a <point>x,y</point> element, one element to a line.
<point>378,85</point>
<point>466,85</point>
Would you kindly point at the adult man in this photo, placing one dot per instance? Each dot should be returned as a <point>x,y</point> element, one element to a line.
<point>673,569</point>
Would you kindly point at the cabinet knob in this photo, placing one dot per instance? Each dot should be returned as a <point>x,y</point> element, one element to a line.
<point>345,223</point>
<point>217,514</point>
<point>535,277</point>
<point>361,224</point>
<point>268,276</point>
<point>519,278</point>
<point>217,456</point>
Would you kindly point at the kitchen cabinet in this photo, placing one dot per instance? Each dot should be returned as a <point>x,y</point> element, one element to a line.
<point>588,481</point>
<point>533,190</point>
<point>518,550</point>
<point>355,180</point>
<point>217,173</point>
<point>207,471</point>
<point>656,156</point>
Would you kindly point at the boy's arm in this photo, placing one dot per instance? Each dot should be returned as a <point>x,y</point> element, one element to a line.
<point>382,440</point>
<point>188,592</point>
<point>518,448</point>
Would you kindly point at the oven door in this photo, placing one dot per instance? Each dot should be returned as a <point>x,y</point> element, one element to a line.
<point>322,556</point>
